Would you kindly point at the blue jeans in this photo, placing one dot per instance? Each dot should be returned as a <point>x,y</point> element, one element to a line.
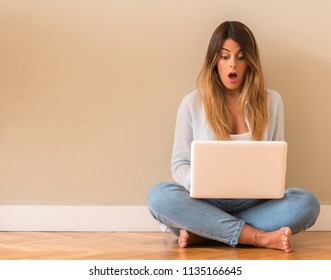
<point>224,219</point>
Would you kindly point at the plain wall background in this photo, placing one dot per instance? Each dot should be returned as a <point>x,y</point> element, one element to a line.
<point>89,91</point>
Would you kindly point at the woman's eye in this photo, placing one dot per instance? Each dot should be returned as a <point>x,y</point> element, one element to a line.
<point>241,57</point>
<point>224,57</point>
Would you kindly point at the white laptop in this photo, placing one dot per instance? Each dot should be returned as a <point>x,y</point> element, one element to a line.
<point>238,169</point>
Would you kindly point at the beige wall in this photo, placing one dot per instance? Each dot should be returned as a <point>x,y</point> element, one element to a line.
<point>89,91</point>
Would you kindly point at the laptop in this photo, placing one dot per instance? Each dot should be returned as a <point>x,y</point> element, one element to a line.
<point>238,169</point>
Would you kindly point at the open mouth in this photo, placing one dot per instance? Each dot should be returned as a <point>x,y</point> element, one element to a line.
<point>233,76</point>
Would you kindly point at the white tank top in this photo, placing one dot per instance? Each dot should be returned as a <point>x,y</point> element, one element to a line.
<point>244,136</point>
<point>241,137</point>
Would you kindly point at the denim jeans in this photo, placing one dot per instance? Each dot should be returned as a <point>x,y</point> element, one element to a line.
<point>224,219</point>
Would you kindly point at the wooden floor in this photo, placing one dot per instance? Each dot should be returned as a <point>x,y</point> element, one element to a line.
<point>147,246</point>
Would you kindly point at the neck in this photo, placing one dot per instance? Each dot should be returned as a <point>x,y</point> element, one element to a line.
<point>232,92</point>
<point>232,97</point>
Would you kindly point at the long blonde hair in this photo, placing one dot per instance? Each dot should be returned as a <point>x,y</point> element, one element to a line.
<point>253,95</point>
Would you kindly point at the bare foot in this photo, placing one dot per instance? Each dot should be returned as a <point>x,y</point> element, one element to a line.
<point>187,238</point>
<point>279,239</point>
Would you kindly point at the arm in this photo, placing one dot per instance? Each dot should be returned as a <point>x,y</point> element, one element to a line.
<point>275,130</point>
<point>181,154</point>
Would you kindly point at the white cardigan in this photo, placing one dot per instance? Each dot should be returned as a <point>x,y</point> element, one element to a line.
<point>191,124</point>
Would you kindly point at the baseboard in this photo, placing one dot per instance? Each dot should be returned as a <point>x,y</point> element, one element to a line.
<point>96,218</point>
<point>75,218</point>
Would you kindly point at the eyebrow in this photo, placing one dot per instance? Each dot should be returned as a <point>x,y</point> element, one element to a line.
<point>240,50</point>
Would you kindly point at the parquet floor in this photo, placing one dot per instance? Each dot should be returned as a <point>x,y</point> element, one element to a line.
<point>147,246</point>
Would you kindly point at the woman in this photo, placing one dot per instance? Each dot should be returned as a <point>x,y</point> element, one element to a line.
<point>231,103</point>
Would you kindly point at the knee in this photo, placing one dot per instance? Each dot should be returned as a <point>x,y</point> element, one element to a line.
<point>163,194</point>
<point>155,194</point>
<point>313,204</point>
<point>158,194</point>
<point>307,200</point>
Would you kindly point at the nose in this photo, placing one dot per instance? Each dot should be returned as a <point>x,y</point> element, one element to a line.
<point>232,63</point>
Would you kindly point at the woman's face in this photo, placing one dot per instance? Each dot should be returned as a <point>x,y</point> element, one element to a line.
<point>232,66</point>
